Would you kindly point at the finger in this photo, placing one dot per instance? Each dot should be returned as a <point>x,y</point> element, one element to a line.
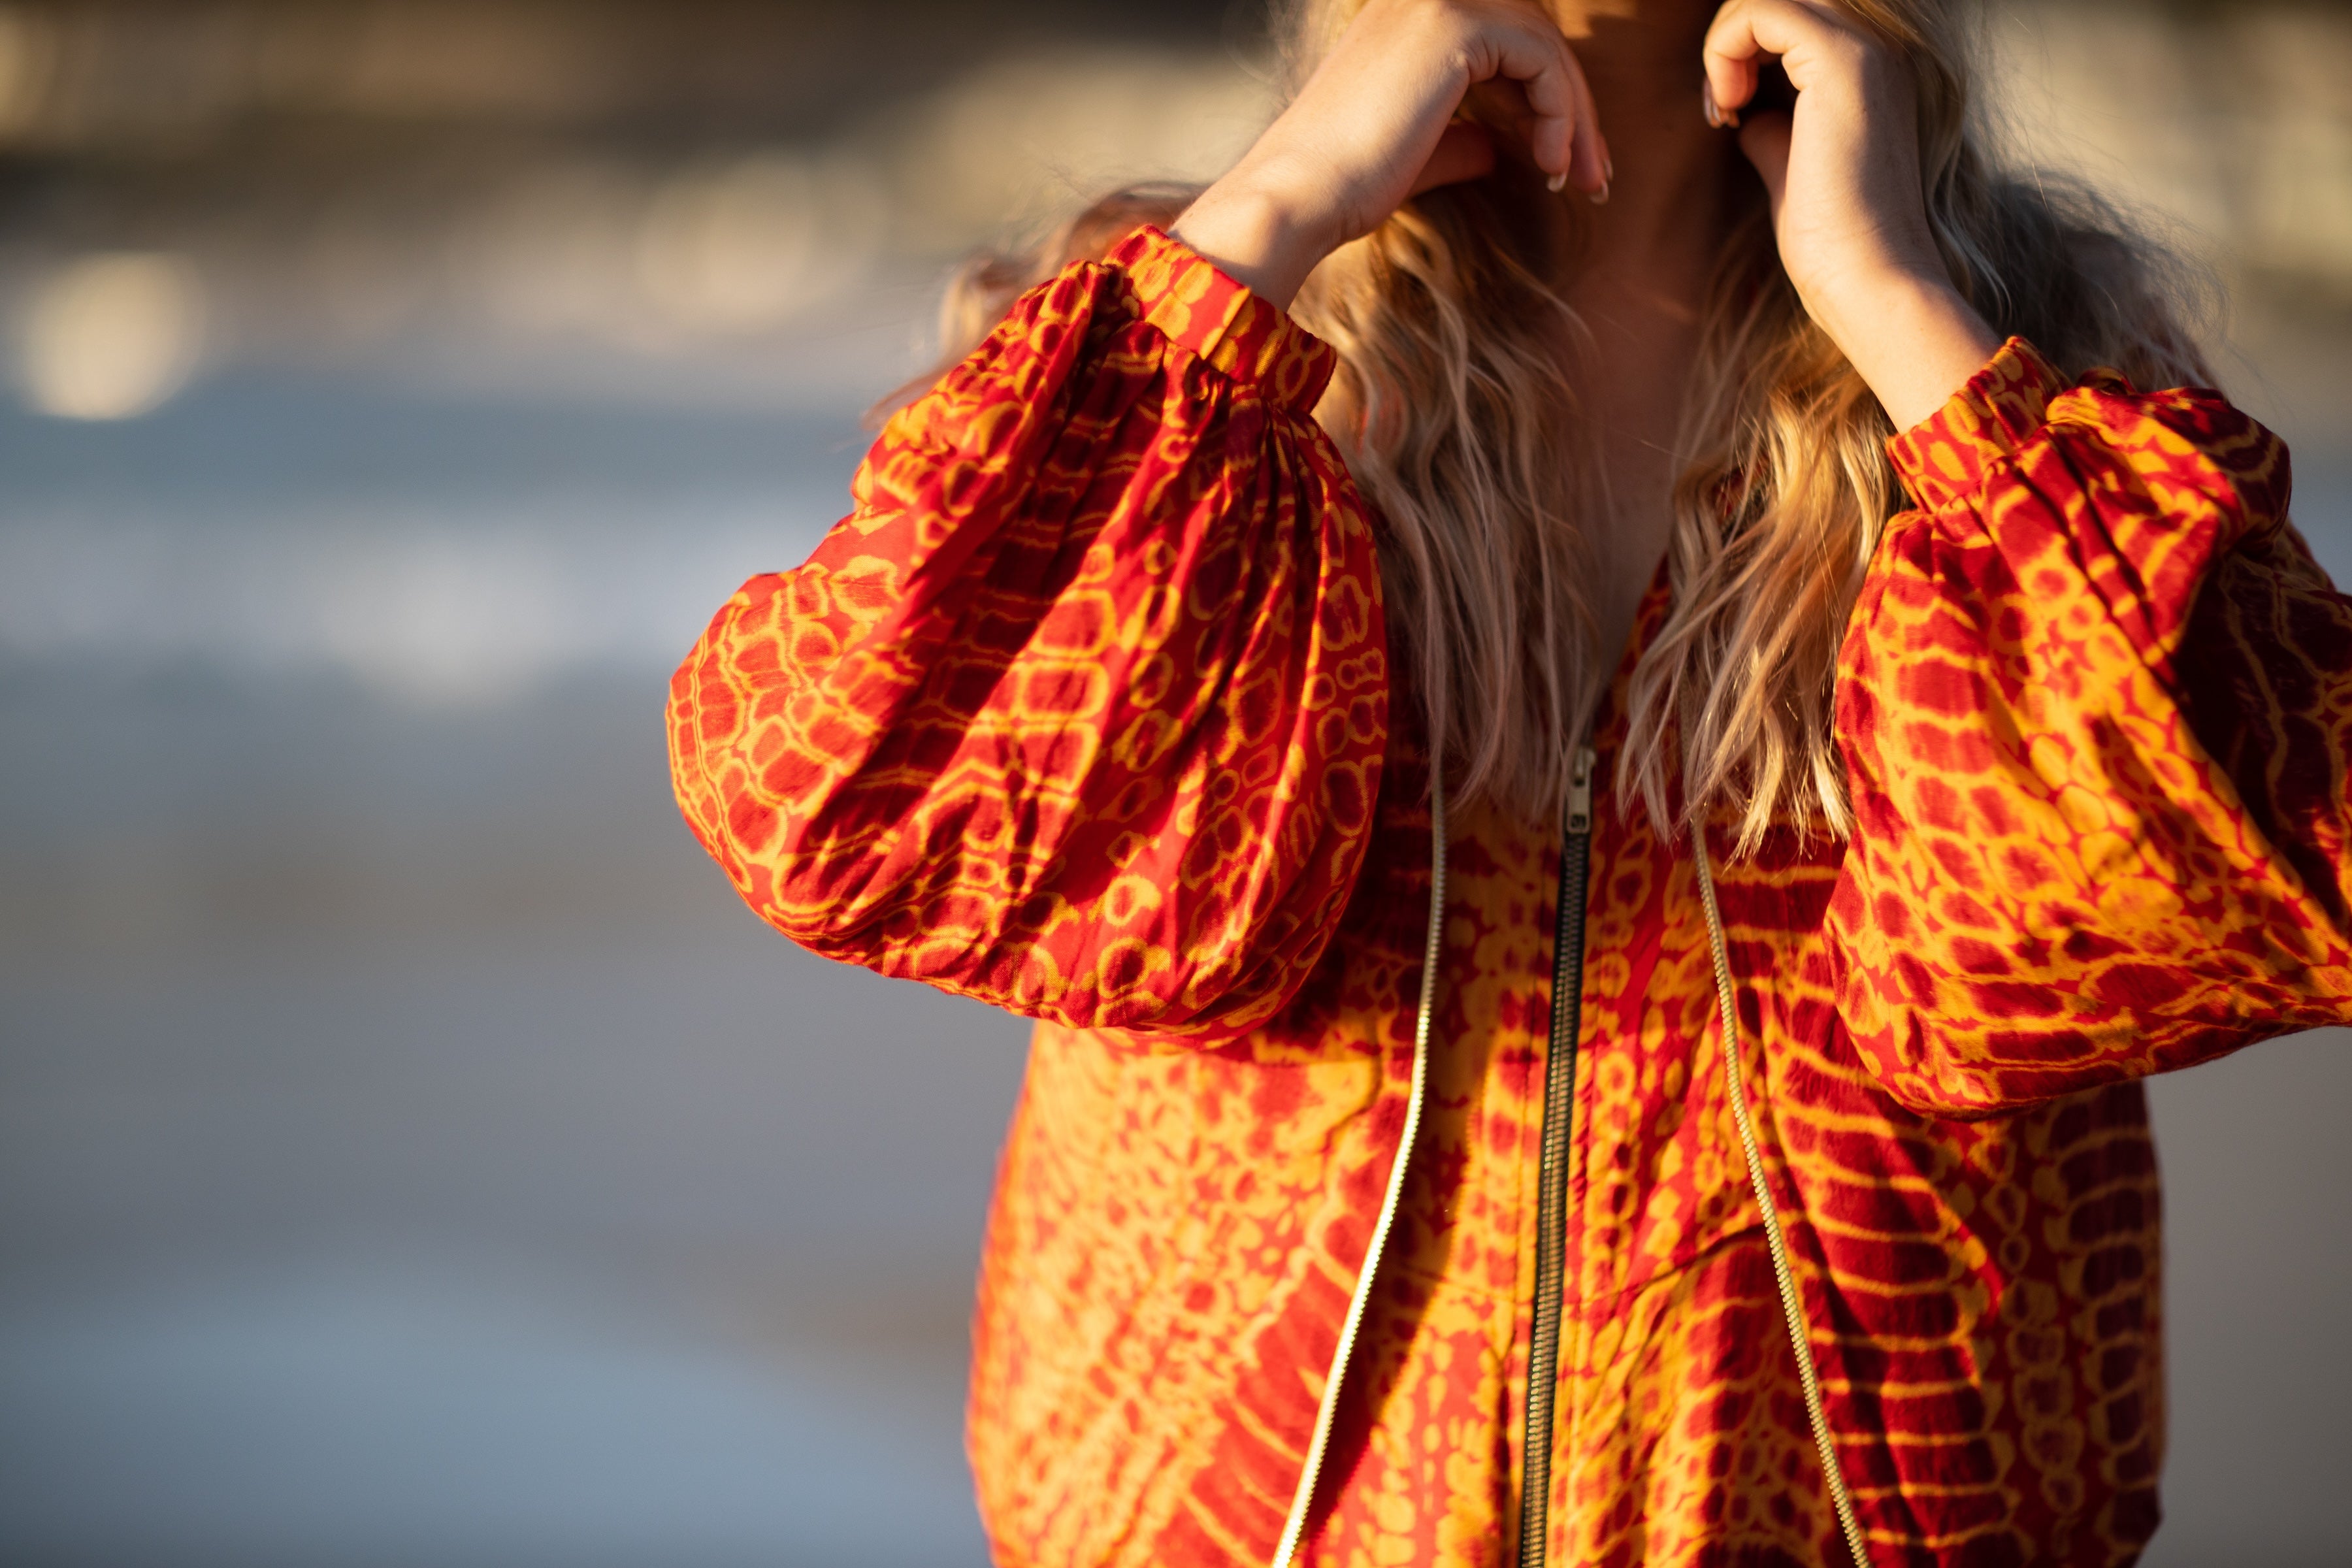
<point>1465,151</point>
<point>1765,139</point>
<point>1563,131</point>
<point>1747,31</point>
<point>1540,67</point>
<point>1590,168</point>
<point>1730,58</point>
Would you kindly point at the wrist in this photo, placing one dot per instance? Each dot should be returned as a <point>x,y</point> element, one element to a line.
<point>1912,337</point>
<point>1254,231</point>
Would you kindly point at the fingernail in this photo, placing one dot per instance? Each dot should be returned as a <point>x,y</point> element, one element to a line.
<point>1608,170</point>
<point>1707,102</point>
<point>1558,182</point>
<point>1601,196</point>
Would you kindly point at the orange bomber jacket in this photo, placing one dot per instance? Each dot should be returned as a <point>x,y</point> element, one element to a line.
<point>1087,710</point>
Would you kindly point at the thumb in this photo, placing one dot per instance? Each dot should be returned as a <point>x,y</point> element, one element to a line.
<point>1765,139</point>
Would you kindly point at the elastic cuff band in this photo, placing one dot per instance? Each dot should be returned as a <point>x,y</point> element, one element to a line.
<point>1945,455</point>
<point>1200,307</point>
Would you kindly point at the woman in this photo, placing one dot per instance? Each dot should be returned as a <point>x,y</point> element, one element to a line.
<point>1595,912</point>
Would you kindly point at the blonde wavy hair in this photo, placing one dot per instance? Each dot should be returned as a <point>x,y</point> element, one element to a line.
<point>1457,410</point>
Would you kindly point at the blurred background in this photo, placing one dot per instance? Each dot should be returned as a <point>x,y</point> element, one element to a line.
<point>409,1151</point>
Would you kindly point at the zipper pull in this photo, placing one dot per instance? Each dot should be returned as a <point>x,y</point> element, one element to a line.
<point>1579,790</point>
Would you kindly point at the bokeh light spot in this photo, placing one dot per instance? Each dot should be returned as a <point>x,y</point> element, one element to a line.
<point>113,336</point>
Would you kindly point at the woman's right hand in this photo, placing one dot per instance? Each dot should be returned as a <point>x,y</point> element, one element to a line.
<point>1377,123</point>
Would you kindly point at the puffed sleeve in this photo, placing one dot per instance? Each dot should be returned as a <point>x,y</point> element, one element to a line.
<point>2094,703</point>
<point>1081,712</point>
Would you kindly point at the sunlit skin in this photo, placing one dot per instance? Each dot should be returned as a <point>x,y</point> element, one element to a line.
<point>1635,105</point>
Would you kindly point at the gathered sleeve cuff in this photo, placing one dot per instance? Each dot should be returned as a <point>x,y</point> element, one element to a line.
<point>1947,456</point>
<point>1198,307</point>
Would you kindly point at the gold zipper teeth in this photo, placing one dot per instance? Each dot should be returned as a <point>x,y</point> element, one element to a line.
<point>1551,1182</point>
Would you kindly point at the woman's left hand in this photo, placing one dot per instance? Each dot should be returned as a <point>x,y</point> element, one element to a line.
<point>1849,207</point>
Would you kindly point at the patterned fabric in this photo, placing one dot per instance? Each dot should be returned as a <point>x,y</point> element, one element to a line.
<point>2056,884</point>
<point>1085,711</point>
<point>1040,728</point>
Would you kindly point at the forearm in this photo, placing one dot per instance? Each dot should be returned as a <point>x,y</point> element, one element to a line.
<point>1849,196</point>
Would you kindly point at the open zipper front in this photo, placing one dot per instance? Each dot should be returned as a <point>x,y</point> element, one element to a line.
<point>1552,1185</point>
<point>1551,1233</point>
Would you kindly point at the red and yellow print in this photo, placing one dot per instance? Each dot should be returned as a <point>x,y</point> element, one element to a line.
<point>1086,711</point>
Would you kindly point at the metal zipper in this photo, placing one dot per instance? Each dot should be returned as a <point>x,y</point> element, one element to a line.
<point>1552,1185</point>
<point>1792,1307</point>
<point>1303,1500</point>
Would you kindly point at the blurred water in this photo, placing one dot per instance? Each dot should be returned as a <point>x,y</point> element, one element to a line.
<point>408,1150</point>
<point>436,550</point>
<point>380,1414</point>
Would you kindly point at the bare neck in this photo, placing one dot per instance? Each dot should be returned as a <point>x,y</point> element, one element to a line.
<point>1640,273</point>
<point>1669,205</point>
